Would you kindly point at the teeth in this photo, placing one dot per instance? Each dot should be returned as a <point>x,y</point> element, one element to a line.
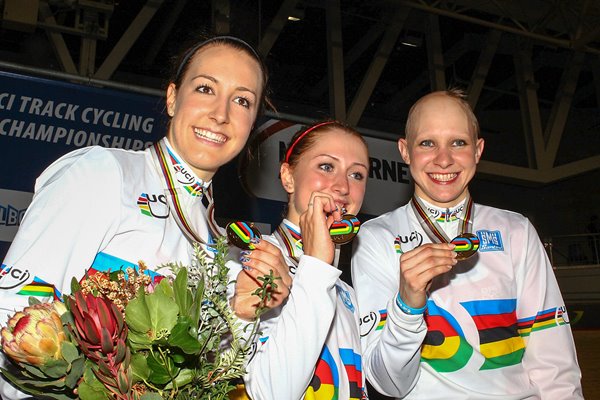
<point>443,177</point>
<point>341,207</point>
<point>214,137</point>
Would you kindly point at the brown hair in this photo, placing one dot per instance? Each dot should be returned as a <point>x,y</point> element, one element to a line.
<point>454,93</point>
<point>305,138</point>
<point>181,66</point>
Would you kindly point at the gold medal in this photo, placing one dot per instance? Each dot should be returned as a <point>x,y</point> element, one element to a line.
<point>466,244</point>
<point>240,234</point>
<point>344,231</point>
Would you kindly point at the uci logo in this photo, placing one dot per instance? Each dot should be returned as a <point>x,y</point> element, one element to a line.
<point>435,213</point>
<point>183,176</point>
<point>252,351</point>
<point>401,241</point>
<point>367,323</point>
<point>153,205</point>
<point>17,275</point>
<point>561,312</point>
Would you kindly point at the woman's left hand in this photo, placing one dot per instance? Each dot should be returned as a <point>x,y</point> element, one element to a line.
<point>266,258</point>
<point>314,225</point>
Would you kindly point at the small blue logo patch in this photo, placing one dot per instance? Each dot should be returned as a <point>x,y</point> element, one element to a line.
<point>490,241</point>
<point>345,296</point>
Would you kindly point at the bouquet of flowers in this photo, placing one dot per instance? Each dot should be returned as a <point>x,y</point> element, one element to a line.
<point>129,336</point>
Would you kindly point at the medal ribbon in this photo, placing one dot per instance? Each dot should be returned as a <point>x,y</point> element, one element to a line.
<point>431,227</point>
<point>164,165</point>
<point>290,240</point>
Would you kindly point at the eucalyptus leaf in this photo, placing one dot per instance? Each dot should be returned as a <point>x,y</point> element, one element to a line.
<point>184,377</point>
<point>179,358</point>
<point>91,388</point>
<point>180,337</point>
<point>69,351</point>
<point>75,373</point>
<point>182,294</point>
<point>161,371</point>
<point>34,301</point>
<point>35,388</point>
<point>139,341</point>
<point>151,396</point>
<point>33,371</point>
<point>137,316</point>
<point>67,319</point>
<point>88,392</point>
<point>164,287</point>
<point>55,368</point>
<point>75,286</point>
<point>162,309</point>
<point>139,367</point>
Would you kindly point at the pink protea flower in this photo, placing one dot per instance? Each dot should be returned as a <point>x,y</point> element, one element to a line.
<point>99,325</point>
<point>34,335</point>
<point>101,334</point>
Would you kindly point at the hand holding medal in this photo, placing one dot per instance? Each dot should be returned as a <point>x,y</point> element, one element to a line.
<point>344,230</point>
<point>324,219</point>
<point>466,244</point>
<point>261,262</point>
<point>242,234</point>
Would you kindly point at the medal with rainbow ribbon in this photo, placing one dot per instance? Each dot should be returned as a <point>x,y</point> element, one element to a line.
<point>466,243</point>
<point>240,234</point>
<point>344,231</point>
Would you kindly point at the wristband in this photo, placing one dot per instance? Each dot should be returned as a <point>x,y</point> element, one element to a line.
<point>409,310</point>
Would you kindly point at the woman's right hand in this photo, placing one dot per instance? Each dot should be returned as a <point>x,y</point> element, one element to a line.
<point>263,260</point>
<point>314,225</point>
<point>419,266</point>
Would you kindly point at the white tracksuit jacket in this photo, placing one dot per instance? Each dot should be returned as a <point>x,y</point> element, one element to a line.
<point>310,347</point>
<point>496,326</point>
<point>94,207</point>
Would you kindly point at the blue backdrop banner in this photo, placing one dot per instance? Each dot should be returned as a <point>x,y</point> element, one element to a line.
<point>42,119</point>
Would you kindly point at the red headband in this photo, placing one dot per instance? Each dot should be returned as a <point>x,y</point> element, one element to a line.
<point>299,138</point>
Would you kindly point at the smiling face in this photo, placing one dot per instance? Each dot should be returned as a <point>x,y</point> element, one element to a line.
<point>442,150</point>
<point>336,163</point>
<point>214,108</point>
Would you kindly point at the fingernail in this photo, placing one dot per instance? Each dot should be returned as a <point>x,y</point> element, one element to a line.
<point>255,240</point>
<point>247,268</point>
<point>244,259</point>
<point>245,252</point>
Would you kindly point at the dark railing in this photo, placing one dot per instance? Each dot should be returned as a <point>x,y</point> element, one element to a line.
<point>572,250</point>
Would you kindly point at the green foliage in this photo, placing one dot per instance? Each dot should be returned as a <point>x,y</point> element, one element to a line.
<point>90,388</point>
<point>180,340</point>
<point>179,331</point>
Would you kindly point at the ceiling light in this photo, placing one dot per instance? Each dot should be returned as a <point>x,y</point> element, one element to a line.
<point>411,41</point>
<point>296,15</point>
